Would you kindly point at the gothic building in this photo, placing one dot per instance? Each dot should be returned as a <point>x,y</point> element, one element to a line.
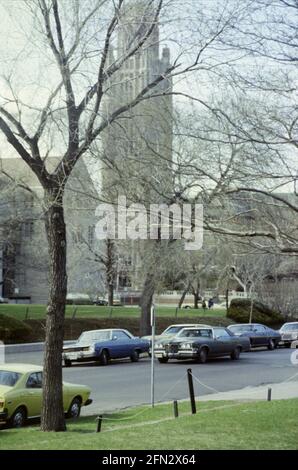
<point>137,148</point>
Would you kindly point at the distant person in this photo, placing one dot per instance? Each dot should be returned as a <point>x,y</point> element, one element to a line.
<point>210,303</point>
<point>204,305</point>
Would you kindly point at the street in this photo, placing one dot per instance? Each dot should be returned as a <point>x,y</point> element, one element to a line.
<point>122,383</point>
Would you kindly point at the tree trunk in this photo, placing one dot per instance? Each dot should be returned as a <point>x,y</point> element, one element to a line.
<point>196,300</point>
<point>110,271</point>
<point>52,418</point>
<point>183,297</point>
<point>227,299</point>
<point>111,294</point>
<point>146,303</point>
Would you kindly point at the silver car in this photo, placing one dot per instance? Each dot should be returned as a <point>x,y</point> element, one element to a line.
<point>289,333</point>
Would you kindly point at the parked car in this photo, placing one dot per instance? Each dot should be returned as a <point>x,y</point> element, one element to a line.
<point>259,335</point>
<point>21,394</point>
<point>289,333</point>
<point>173,330</point>
<point>101,302</point>
<point>200,343</point>
<point>103,345</point>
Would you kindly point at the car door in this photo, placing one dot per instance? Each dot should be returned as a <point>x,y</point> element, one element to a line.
<point>33,394</point>
<point>260,335</point>
<point>122,344</point>
<point>224,341</point>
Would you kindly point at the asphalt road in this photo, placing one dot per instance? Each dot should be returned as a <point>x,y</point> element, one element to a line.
<point>123,383</point>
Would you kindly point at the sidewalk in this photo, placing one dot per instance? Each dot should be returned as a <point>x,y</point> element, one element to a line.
<point>280,391</point>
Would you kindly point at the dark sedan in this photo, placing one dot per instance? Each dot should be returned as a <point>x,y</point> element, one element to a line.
<point>259,335</point>
<point>201,343</point>
<point>103,345</point>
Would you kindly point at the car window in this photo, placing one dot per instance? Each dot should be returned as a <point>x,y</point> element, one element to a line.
<point>90,336</point>
<point>240,328</point>
<point>9,378</point>
<point>172,330</point>
<point>259,329</point>
<point>191,333</point>
<point>221,332</point>
<point>120,335</point>
<point>34,380</point>
<point>290,327</point>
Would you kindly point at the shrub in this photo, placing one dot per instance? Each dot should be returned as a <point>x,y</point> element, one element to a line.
<point>13,330</point>
<point>239,311</point>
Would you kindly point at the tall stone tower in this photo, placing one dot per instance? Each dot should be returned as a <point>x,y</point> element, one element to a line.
<point>138,147</point>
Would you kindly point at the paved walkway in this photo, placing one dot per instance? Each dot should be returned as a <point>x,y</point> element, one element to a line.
<point>280,391</point>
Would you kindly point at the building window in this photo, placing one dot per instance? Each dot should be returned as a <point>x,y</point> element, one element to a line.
<point>28,230</point>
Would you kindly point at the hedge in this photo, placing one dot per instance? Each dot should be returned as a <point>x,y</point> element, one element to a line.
<point>239,311</point>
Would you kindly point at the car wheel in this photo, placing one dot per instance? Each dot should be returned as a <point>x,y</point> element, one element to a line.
<point>135,356</point>
<point>271,345</point>
<point>163,360</point>
<point>74,410</point>
<point>104,358</point>
<point>236,354</point>
<point>18,419</point>
<point>67,362</point>
<point>203,354</point>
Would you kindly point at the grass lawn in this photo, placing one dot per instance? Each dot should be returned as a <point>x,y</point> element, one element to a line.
<point>33,311</point>
<point>217,425</point>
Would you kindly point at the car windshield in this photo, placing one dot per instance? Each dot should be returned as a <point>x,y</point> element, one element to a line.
<point>240,328</point>
<point>187,333</point>
<point>292,327</point>
<point>172,330</point>
<point>90,336</point>
<point>9,378</point>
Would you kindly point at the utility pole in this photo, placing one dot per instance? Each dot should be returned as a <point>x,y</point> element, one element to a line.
<point>152,352</point>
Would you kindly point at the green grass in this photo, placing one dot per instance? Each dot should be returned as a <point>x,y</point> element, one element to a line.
<point>37,312</point>
<point>217,425</point>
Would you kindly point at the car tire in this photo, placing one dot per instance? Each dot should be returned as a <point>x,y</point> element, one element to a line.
<point>67,362</point>
<point>271,344</point>
<point>18,419</point>
<point>135,356</point>
<point>104,358</point>
<point>236,354</point>
<point>163,360</point>
<point>203,354</point>
<point>74,410</point>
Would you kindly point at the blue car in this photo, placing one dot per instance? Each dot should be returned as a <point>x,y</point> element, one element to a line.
<point>103,345</point>
<point>259,335</point>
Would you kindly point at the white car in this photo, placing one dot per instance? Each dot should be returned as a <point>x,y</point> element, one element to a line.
<point>173,330</point>
<point>289,333</point>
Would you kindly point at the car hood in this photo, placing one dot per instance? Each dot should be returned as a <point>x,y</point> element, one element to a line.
<point>4,389</point>
<point>158,338</point>
<point>173,340</point>
<point>76,346</point>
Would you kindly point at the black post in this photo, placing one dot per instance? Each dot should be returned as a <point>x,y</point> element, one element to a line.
<point>176,312</point>
<point>176,413</point>
<point>191,392</point>
<point>111,312</point>
<point>269,394</point>
<point>27,313</point>
<point>99,420</point>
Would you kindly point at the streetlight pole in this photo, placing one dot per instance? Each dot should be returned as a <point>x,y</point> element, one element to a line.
<point>152,352</point>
